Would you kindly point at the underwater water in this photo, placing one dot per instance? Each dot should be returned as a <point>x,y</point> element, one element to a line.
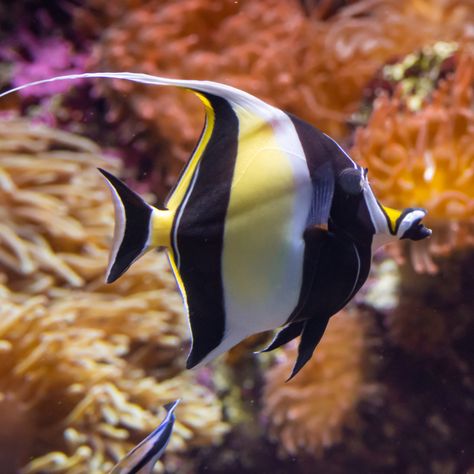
<point>86,367</point>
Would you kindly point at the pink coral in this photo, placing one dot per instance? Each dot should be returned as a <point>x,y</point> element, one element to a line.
<point>47,58</point>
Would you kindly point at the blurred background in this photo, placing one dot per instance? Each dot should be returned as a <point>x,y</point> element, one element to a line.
<point>85,368</point>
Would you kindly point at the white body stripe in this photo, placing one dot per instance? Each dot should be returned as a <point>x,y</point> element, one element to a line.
<point>343,151</point>
<point>263,257</point>
<point>382,234</point>
<point>376,214</point>
<point>154,444</point>
<point>358,272</point>
<point>119,227</point>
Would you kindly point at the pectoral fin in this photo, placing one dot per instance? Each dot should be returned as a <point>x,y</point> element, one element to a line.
<point>323,190</point>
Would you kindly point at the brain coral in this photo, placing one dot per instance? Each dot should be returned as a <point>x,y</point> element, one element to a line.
<point>308,414</point>
<point>85,366</point>
<point>425,158</point>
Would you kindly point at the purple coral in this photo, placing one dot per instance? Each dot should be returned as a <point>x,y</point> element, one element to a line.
<point>36,59</point>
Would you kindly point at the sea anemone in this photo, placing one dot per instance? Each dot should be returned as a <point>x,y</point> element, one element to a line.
<point>308,414</point>
<point>76,368</point>
<point>425,157</point>
<point>87,365</point>
<point>56,214</point>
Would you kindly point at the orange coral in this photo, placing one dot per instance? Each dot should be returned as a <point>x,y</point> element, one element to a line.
<point>426,158</point>
<point>308,413</point>
<point>95,368</point>
<point>315,69</point>
<point>193,36</point>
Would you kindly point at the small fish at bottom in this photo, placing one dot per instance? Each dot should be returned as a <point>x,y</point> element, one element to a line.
<point>142,458</point>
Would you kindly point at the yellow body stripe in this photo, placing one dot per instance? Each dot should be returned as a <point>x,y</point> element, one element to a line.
<point>259,212</point>
<point>162,222</point>
<point>179,192</point>
<point>177,275</point>
<point>392,215</point>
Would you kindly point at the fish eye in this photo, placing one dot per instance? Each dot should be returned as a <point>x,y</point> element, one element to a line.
<point>350,181</point>
<point>366,171</point>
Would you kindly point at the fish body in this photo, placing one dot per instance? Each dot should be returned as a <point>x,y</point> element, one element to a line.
<point>271,224</point>
<point>142,458</point>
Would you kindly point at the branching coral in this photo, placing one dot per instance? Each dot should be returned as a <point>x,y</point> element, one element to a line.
<point>88,365</point>
<point>425,158</point>
<point>313,68</point>
<point>51,57</point>
<point>308,414</point>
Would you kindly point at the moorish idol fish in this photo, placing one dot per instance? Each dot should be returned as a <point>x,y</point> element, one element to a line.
<point>142,458</point>
<point>271,224</point>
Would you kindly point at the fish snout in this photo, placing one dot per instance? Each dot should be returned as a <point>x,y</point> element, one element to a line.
<point>411,226</point>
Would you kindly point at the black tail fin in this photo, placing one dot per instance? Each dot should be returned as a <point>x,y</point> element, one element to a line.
<point>132,233</point>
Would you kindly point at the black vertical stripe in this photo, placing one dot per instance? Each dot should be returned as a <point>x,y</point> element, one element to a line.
<point>336,262</point>
<point>200,232</point>
<point>323,158</point>
<point>335,269</point>
<point>318,148</point>
<point>348,213</point>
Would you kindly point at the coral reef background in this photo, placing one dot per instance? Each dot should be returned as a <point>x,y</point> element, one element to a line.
<point>86,367</point>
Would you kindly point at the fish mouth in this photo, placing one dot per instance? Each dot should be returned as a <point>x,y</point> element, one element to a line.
<point>414,229</point>
<point>420,231</point>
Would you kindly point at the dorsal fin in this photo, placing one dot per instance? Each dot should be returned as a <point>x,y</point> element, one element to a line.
<point>204,90</point>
